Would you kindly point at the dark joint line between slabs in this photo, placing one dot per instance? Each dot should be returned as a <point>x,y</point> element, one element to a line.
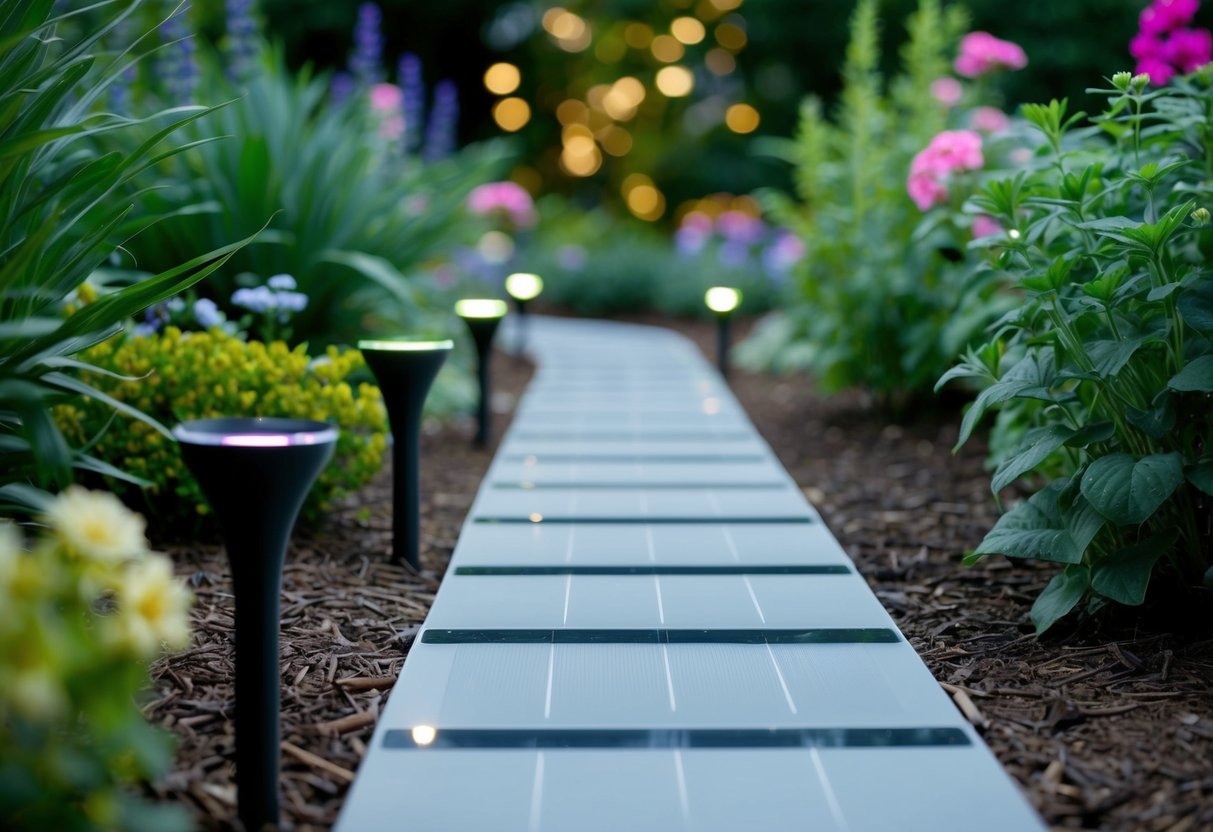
<point>818,569</point>
<point>625,436</point>
<point>851,635</point>
<point>646,486</point>
<point>663,739</point>
<point>650,521</point>
<point>633,459</point>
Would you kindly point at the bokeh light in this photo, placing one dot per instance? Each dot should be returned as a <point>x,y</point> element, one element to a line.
<point>688,30</point>
<point>667,49</point>
<point>675,81</point>
<point>731,36</point>
<point>511,114</point>
<point>502,78</point>
<point>742,118</point>
<point>720,61</point>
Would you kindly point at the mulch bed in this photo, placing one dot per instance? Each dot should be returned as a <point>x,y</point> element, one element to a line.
<point>1105,725</point>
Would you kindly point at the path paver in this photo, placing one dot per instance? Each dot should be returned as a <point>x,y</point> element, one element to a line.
<point>645,626</point>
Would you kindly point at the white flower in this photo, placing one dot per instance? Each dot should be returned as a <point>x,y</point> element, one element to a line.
<point>96,526</point>
<point>153,608</point>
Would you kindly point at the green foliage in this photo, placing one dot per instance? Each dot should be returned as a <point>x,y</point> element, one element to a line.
<point>350,217</point>
<point>86,608</point>
<point>62,217</point>
<point>176,376</point>
<point>877,301</point>
<point>1108,363</point>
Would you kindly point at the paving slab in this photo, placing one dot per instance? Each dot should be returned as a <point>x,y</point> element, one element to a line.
<point>646,627</point>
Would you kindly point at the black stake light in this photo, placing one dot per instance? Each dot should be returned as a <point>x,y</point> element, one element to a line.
<point>522,287</point>
<point>482,317</point>
<point>405,370</point>
<point>723,301</point>
<point>255,474</point>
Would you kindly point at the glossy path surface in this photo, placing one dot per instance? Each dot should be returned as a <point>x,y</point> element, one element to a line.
<point>646,627</point>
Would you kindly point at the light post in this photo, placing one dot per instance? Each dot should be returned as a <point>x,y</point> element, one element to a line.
<point>405,369</point>
<point>255,474</point>
<point>723,301</point>
<point>482,317</point>
<point>523,287</point>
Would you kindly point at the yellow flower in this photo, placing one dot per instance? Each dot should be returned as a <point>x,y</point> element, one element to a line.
<point>96,526</point>
<point>153,608</point>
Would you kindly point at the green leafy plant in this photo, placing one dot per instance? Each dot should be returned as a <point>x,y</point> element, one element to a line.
<point>878,300</point>
<point>61,218</point>
<point>177,376</point>
<point>86,608</point>
<point>1108,362</point>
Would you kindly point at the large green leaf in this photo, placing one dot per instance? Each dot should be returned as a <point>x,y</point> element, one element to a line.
<point>1128,491</point>
<point>1201,476</point>
<point>1036,447</point>
<point>1124,575</point>
<point>1037,528</point>
<point>1061,595</point>
<point>1033,374</point>
<point>1195,377</point>
<point>1196,306</point>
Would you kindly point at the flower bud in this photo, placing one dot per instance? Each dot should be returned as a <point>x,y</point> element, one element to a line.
<point>1140,81</point>
<point>1121,80</point>
<point>1201,217</point>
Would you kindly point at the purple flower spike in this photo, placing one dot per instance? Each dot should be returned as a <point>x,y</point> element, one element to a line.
<point>242,40</point>
<point>366,64</point>
<point>441,132</point>
<point>412,102</point>
<point>177,66</point>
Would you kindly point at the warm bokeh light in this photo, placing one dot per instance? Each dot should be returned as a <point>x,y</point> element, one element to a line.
<point>688,30</point>
<point>571,32</point>
<point>502,78</point>
<point>595,95</point>
<point>622,99</point>
<point>722,299</point>
<point>675,81</point>
<point>731,36</point>
<point>572,111</point>
<point>615,140</point>
<point>643,198</point>
<point>742,118</point>
<point>577,145</point>
<point>720,61</point>
<point>667,49</point>
<point>511,114</point>
<point>726,5</point>
<point>638,35</point>
<point>578,163</point>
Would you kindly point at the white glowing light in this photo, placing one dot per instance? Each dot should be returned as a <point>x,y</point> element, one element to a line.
<point>536,517</point>
<point>404,345</point>
<point>524,286</point>
<point>480,308</point>
<point>424,734</point>
<point>722,299</point>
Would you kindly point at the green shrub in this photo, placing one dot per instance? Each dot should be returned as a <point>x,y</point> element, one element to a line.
<point>61,218</point>
<point>177,376</point>
<point>1107,365</point>
<point>875,302</point>
<point>86,609</point>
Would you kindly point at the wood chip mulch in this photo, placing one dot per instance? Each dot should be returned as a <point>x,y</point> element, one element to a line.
<point>1105,724</point>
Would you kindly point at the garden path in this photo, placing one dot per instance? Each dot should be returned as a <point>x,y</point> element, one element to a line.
<point>645,626</point>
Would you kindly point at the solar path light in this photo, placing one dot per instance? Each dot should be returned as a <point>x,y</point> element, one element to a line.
<point>405,369</point>
<point>523,287</point>
<point>723,301</point>
<point>482,317</point>
<point>255,474</point>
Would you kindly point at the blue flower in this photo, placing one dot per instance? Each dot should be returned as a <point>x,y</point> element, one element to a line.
<point>367,61</point>
<point>207,314</point>
<point>443,126</point>
<point>282,282</point>
<point>258,299</point>
<point>291,301</point>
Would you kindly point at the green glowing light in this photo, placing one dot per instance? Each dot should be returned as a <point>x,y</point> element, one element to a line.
<point>480,308</point>
<point>405,345</point>
<point>524,286</point>
<point>722,299</point>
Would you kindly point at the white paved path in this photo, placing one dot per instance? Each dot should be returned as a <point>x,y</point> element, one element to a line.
<point>645,628</point>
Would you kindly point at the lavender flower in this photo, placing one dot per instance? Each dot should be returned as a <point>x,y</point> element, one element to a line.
<point>341,88</point>
<point>412,101</point>
<point>440,135</point>
<point>242,43</point>
<point>177,66</point>
<point>366,64</point>
<point>207,313</point>
<point>119,94</point>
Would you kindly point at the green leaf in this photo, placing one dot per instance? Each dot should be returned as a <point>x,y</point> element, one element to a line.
<point>1196,306</point>
<point>1129,491</point>
<point>1124,575</point>
<point>1061,595</point>
<point>1201,475</point>
<point>1109,357</point>
<point>1036,447</point>
<point>1034,528</point>
<point>1031,374</point>
<point>1156,422</point>
<point>1195,377</point>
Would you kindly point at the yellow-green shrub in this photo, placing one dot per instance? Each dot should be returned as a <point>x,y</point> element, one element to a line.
<point>196,375</point>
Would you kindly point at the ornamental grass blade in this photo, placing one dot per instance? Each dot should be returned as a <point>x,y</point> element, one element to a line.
<point>1128,491</point>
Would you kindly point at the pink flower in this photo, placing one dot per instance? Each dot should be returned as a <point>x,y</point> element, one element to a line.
<point>1188,49</point>
<point>697,221</point>
<point>981,53</point>
<point>926,191</point>
<point>385,98</point>
<point>989,120</point>
<point>984,226</point>
<point>740,227</point>
<point>947,91</point>
<point>508,198</point>
<point>1160,71</point>
<point>1145,45</point>
<point>1162,16</point>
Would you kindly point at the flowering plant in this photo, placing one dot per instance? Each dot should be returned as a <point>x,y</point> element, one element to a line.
<point>741,242</point>
<point>1108,361</point>
<point>86,608</point>
<point>1166,45</point>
